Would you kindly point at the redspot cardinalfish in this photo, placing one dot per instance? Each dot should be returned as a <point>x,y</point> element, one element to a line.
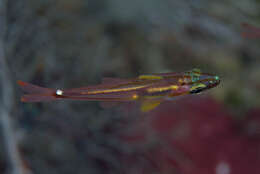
<point>150,90</point>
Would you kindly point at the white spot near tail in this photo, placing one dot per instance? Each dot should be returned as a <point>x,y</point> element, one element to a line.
<point>59,92</point>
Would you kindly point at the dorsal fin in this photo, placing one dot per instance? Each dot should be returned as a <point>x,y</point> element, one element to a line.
<point>196,70</point>
<point>33,89</point>
<point>111,80</point>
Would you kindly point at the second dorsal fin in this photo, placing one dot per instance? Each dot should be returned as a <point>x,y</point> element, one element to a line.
<point>111,80</point>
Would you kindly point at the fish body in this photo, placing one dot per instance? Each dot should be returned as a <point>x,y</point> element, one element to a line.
<point>150,89</point>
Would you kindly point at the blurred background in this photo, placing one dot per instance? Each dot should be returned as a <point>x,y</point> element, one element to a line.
<point>74,43</point>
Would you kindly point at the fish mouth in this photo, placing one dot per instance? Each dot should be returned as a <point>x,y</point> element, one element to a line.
<point>212,84</point>
<point>210,81</point>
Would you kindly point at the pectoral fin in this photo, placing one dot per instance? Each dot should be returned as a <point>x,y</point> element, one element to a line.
<point>149,105</point>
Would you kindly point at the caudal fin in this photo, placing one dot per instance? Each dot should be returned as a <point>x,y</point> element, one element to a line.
<point>38,98</point>
<point>36,93</point>
<point>33,89</point>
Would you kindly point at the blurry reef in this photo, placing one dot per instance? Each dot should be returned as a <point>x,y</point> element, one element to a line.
<point>74,43</point>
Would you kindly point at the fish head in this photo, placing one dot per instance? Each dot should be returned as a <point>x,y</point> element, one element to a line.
<point>201,81</point>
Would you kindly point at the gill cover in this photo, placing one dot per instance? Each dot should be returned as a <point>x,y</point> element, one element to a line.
<point>197,88</point>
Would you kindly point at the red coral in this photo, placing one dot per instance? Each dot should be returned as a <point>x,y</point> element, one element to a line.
<point>199,136</point>
<point>250,31</point>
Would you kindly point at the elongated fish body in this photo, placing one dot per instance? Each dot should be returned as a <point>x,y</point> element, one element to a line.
<point>150,89</point>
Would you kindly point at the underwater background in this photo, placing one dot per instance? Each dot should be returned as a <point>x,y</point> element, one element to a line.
<point>74,43</point>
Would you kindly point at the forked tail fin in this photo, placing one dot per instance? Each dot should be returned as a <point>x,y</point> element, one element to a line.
<point>36,93</point>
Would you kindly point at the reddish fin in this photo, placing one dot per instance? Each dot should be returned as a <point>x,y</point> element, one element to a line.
<point>32,89</point>
<point>38,98</point>
<point>36,93</point>
<point>115,81</point>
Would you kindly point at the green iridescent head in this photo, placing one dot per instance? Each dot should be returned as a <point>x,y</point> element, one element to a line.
<point>194,75</point>
<point>201,81</point>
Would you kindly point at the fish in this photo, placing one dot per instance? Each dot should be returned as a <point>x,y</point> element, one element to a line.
<point>150,90</point>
